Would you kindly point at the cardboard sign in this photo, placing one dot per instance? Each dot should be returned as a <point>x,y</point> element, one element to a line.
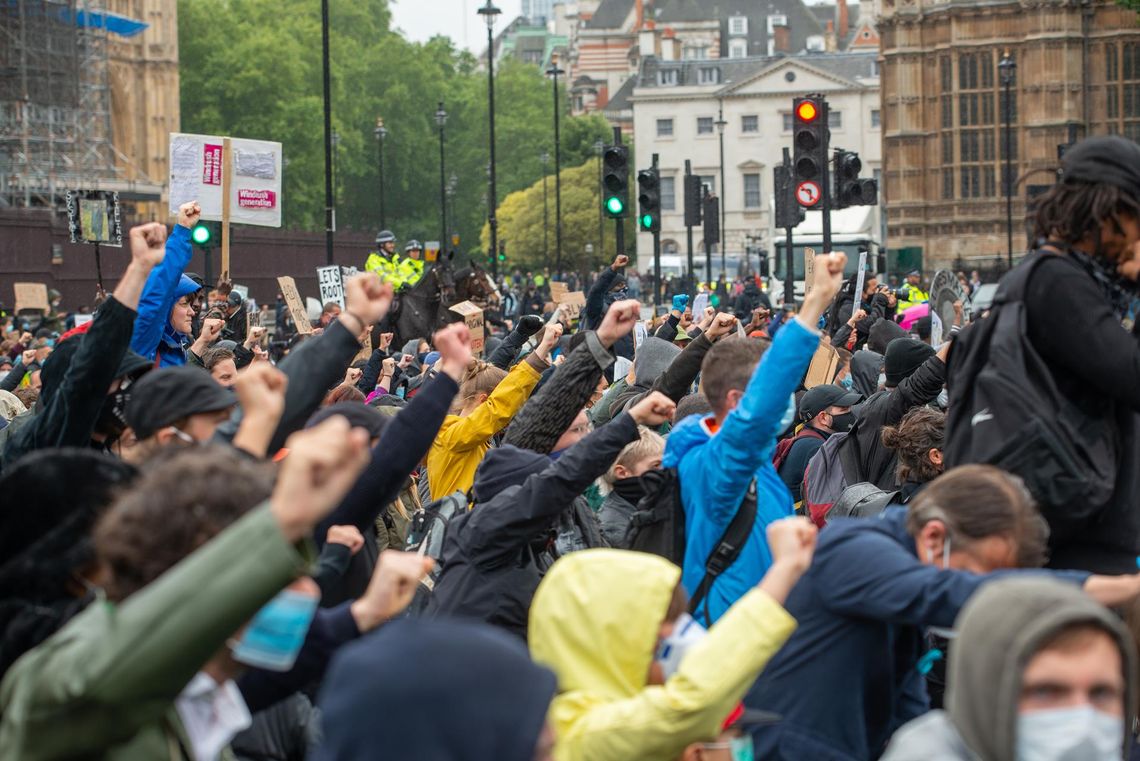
<point>198,172</point>
<point>295,303</point>
<point>823,365</point>
<point>558,291</point>
<point>572,304</point>
<point>31,296</point>
<point>809,270</point>
<point>473,318</point>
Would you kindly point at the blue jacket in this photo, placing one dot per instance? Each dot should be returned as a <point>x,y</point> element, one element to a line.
<point>166,284</point>
<point>715,470</point>
<point>848,677</point>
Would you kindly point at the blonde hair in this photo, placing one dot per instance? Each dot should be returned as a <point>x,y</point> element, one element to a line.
<point>648,444</point>
<point>480,378</point>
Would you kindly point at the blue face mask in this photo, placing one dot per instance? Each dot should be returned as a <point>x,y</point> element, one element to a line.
<point>275,635</point>
<point>847,382</point>
<point>740,748</point>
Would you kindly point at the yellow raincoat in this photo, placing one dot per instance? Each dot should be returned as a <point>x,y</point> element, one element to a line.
<point>595,621</point>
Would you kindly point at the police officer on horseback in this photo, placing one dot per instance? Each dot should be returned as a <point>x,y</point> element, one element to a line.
<point>401,271</point>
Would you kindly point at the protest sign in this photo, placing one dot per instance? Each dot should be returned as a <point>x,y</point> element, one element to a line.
<point>31,296</point>
<point>823,365</point>
<point>331,285</point>
<point>558,291</point>
<point>861,278</point>
<point>93,217</point>
<point>83,319</point>
<point>198,169</point>
<point>295,304</point>
<point>473,317</point>
<point>699,304</point>
<point>809,269</point>
<point>935,329</point>
<point>640,333</point>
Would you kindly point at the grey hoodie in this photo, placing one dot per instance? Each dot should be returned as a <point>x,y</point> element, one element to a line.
<point>999,630</point>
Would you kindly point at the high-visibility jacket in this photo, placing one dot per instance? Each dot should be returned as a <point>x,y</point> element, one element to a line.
<point>400,271</point>
<point>915,296</point>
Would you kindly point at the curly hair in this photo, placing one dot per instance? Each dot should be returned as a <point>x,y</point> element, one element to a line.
<point>1072,211</point>
<point>920,430</point>
<point>183,500</point>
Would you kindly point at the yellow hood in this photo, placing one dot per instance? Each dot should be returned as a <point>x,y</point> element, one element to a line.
<point>596,616</point>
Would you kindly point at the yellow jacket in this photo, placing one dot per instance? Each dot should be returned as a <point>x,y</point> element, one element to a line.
<point>462,441</point>
<point>595,621</point>
<point>915,296</point>
<point>397,270</point>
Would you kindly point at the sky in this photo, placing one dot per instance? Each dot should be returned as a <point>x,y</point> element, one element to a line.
<point>421,20</point>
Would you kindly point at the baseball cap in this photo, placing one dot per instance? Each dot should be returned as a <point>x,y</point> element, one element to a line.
<point>172,393</point>
<point>818,399</point>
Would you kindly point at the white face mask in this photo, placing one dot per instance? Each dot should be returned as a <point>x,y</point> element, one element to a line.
<point>686,634</point>
<point>1069,734</point>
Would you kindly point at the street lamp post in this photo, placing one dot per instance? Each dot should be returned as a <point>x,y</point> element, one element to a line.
<point>599,148</point>
<point>554,72</point>
<point>330,210</point>
<point>545,159</point>
<point>489,12</point>
<point>441,120</point>
<point>1008,69</point>
<point>381,134</point>
<point>720,125</point>
<point>452,189</point>
<point>336,167</point>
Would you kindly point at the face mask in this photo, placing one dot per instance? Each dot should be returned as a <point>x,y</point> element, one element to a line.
<point>1081,733</point>
<point>275,636</point>
<point>112,420</point>
<point>842,423</point>
<point>789,413</point>
<point>945,554</point>
<point>686,634</point>
<point>847,382</point>
<point>882,379</point>
<point>740,748</point>
<point>421,357</point>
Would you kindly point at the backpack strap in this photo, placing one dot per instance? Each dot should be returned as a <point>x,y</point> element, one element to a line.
<point>727,550</point>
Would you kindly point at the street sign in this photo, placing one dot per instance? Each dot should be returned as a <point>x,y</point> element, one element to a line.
<point>808,193</point>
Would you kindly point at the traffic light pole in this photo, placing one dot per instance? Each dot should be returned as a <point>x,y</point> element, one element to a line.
<point>656,254</point>
<point>689,229</point>
<point>619,223</point>
<point>825,196</point>
<point>708,240</point>
<point>789,253</point>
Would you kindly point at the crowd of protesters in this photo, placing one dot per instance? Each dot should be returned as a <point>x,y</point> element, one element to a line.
<point>834,529</point>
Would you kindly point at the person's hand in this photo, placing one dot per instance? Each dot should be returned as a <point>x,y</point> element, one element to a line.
<point>189,213</point>
<point>958,308</point>
<point>385,341</point>
<point>859,314</point>
<point>892,298</point>
<point>349,536</point>
<point>405,361</point>
<point>260,354</point>
<point>391,589</point>
<point>721,326</point>
<point>367,299</point>
<point>27,357</point>
<point>619,321</point>
<point>388,367</point>
<point>256,333</point>
<point>529,325</point>
<point>654,410</point>
<point>680,301</point>
<point>148,244</point>
<point>323,463</point>
<point>454,346</point>
<point>620,261</point>
<point>792,542</point>
<point>352,376</point>
<point>260,391</point>
<point>211,329</point>
<point>549,340</point>
<point>26,338</point>
<point>827,280</point>
<point>686,320</point>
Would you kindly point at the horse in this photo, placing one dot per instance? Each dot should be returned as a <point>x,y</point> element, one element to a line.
<point>421,310</point>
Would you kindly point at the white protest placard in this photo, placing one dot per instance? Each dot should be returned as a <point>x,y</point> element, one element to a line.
<point>621,368</point>
<point>699,304</point>
<point>640,333</point>
<point>860,278</point>
<point>935,329</point>
<point>196,174</point>
<point>331,285</point>
<point>83,319</point>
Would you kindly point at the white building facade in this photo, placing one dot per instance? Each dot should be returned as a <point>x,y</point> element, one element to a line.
<point>676,109</point>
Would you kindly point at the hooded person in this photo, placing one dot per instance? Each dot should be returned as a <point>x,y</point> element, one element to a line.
<point>430,680</point>
<point>166,310</point>
<point>608,289</point>
<point>1038,670</point>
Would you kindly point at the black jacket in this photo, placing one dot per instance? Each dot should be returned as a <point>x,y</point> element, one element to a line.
<point>598,301</point>
<point>675,382</point>
<point>495,556</point>
<point>752,298</point>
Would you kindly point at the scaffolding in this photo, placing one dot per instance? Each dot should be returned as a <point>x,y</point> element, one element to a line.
<point>55,101</point>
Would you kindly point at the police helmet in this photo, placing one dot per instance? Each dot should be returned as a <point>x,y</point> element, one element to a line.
<point>385,236</point>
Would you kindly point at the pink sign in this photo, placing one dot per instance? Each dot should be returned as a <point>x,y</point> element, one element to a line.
<point>212,165</point>
<point>257,199</point>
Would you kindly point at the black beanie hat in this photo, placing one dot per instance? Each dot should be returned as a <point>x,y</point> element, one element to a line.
<point>882,333</point>
<point>1104,160</point>
<point>904,356</point>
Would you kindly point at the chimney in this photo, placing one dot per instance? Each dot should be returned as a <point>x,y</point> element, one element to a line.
<point>639,6</point>
<point>782,39</point>
<point>843,27</point>
<point>831,44</point>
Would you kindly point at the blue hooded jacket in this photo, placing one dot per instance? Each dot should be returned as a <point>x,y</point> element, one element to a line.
<point>153,332</point>
<point>716,469</point>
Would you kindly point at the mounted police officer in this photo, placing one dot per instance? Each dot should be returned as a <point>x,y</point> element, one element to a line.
<point>400,271</point>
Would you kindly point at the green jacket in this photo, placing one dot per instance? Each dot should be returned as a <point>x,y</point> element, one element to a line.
<point>104,686</point>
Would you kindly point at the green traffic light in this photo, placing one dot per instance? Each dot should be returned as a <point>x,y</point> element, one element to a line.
<point>200,235</point>
<point>502,257</point>
<point>647,221</point>
<point>614,205</point>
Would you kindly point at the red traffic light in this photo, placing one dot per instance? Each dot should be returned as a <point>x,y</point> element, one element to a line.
<point>807,111</point>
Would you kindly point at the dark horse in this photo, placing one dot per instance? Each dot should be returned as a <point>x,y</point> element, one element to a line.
<point>424,308</point>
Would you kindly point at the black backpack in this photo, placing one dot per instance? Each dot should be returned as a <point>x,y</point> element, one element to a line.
<point>1006,410</point>
<point>862,500</point>
<point>426,533</point>
<point>657,526</point>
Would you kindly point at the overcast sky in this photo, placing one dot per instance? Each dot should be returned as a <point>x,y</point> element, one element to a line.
<point>422,19</point>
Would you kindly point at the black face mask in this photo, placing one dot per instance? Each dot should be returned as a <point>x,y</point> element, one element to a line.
<point>630,489</point>
<point>842,423</point>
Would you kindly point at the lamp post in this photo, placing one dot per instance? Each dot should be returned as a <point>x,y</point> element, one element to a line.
<point>553,73</point>
<point>599,148</point>
<point>441,120</point>
<point>452,189</point>
<point>720,125</point>
<point>489,12</point>
<point>381,135</point>
<point>336,167</point>
<point>1008,69</point>
<point>545,159</point>
<point>330,210</point>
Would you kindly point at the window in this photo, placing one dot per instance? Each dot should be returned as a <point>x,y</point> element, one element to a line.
<point>788,122</point>
<point>667,77</point>
<point>835,119</point>
<point>876,118</point>
<point>695,52</point>
<point>738,49</point>
<point>704,125</point>
<point>1122,91</point>
<point>750,123</point>
<point>668,194</point>
<point>752,191</point>
<point>708,75</point>
<point>738,26</point>
<point>664,128</point>
<point>978,104</point>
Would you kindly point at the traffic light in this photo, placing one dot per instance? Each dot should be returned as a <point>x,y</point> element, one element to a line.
<point>712,219</point>
<point>649,198</point>
<point>788,212</point>
<point>202,235</point>
<point>693,194</point>
<point>615,181</point>
<point>810,143</point>
<point>849,189</point>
